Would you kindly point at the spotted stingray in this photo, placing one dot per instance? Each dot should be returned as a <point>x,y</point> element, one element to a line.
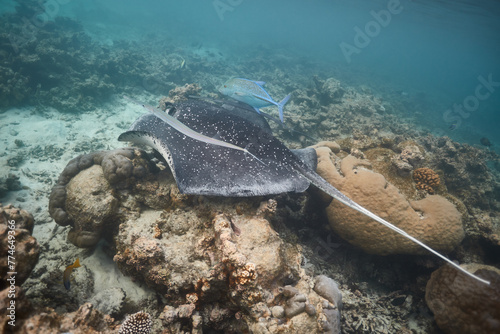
<point>221,149</point>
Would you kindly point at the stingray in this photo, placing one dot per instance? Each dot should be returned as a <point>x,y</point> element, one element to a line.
<point>221,149</point>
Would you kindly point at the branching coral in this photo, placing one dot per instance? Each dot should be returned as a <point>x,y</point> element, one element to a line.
<point>426,179</point>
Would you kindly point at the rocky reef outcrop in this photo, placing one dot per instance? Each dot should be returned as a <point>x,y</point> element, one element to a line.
<point>217,262</point>
<point>463,305</point>
<point>19,253</point>
<point>84,196</point>
<point>16,227</point>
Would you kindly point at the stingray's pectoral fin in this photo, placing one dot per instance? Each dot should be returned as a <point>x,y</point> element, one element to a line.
<point>217,136</point>
<point>247,153</point>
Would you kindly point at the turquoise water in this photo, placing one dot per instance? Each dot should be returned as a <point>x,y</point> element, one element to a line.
<point>406,69</point>
<point>440,51</point>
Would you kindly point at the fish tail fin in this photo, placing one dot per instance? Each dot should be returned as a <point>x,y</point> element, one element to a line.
<point>77,263</point>
<point>282,104</point>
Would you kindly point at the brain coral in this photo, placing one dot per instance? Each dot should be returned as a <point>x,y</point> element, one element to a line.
<point>85,194</point>
<point>463,305</point>
<point>433,220</point>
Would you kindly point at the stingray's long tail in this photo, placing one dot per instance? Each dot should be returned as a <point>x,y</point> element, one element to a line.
<point>322,184</point>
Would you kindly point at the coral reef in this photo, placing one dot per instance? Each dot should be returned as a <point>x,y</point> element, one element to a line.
<point>86,320</point>
<point>83,196</point>
<point>137,323</point>
<point>426,179</point>
<point>57,64</point>
<point>16,227</point>
<point>465,171</point>
<point>411,156</point>
<point>433,220</point>
<point>329,91</point>
<point>217,262</point>
<point>463,305</point>
<point>22,308</point>
<point>179,94</point>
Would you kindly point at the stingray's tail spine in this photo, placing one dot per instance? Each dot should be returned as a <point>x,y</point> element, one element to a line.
<point>322,184</point>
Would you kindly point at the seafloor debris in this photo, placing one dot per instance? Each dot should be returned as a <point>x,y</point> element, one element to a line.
<point>426,179</point>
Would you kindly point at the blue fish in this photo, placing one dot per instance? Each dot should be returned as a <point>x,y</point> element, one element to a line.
<point>252,93</point>
<point>453,125</point>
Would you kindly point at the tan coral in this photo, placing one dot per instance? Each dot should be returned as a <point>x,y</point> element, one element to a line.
<point>19,250</point>
<point>426,179</point>
<point>463,305</point>
<point>433,220</point>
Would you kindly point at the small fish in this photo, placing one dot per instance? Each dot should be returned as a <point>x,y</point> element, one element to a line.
<point>183,63</point>
<point>453,125</point>
<point>485,142</point>
<point>252,93</point>
<point>67,273</point>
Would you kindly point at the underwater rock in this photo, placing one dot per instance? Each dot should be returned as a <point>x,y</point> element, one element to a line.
<point>86,320</point>
<point>22,310</point>
<point>18,224</point>
<point>24,220</point>
<point>433,220</point>
<point>328,289</point>
<point>465,171</point>
<point>84,196</point>
<point>179,94</point>
<point>109,301</point>
<point>90,204</point>
<point>218,260</point>
<point>410,157</point>
<point>464,305</point>
<point>329,91</point>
